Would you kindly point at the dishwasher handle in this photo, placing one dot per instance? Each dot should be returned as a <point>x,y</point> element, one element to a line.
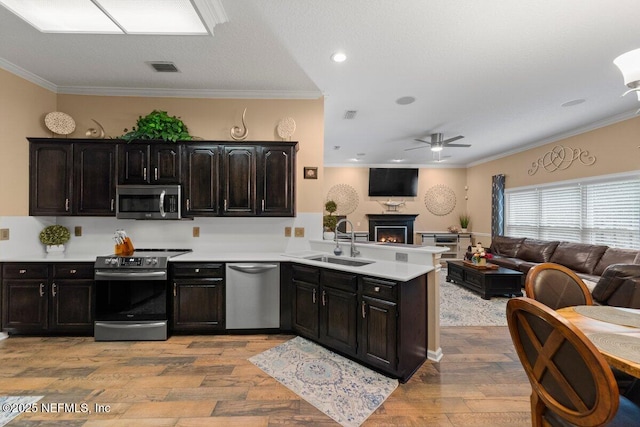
<point>252,268</point>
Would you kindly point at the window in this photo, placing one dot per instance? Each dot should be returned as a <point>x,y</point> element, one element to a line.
<point>601,211</point>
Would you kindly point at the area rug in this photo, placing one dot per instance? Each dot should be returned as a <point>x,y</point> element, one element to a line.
<point>339,387</point>
<point>12,406</point>
<point>460,306</point>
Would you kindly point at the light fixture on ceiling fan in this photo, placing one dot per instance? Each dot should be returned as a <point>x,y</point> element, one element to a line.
<point>437,143</point>
<point>629,65</point>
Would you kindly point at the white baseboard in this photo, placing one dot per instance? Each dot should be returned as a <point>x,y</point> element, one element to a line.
<point>435,356</point>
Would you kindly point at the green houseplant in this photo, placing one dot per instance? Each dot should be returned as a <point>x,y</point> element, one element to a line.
<point>158,125</point>
<point>329,221</point>
<point>55,236</point>
<point>465,219</point>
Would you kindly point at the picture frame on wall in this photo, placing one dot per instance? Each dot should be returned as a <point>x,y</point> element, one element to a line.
<point>310,172</point>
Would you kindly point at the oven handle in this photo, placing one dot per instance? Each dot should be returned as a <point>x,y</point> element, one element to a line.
<point>162,212</point>
<point>130,275</point>
<point>126,325</point>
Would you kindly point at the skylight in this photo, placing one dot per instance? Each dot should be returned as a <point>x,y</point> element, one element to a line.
<point>120,16</point>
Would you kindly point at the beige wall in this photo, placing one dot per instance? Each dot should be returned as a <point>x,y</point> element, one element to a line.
<point>615,147</point>
<point>23,106</point>
<point>358,178</point>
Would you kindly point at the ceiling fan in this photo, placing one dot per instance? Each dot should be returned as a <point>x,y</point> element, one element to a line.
<point>437,143</point>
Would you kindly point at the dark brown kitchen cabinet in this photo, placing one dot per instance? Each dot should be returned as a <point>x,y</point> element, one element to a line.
<point>198,291</point>
<point>379,329</point>
<point>239,181</point>
<point>148,163</point>
<point>71,178</point>
<point>201,179</point>
<point>276,172</point>
<point>304,299</point>
<point>339,311</point>
<point>40,298</point>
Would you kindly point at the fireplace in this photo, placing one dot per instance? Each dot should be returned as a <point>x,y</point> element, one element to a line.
<point>391,228</point>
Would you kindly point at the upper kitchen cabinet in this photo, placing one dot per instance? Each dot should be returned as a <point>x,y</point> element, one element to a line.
<point>201,179</point>
<point>239,180</point>
<point>148,163</point>
<point>71,178</point>
<point>276,173</point>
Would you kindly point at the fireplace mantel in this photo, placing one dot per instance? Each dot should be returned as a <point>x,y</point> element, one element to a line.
<point>389,220</point>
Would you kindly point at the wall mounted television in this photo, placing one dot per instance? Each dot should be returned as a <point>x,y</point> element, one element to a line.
<point>396,182</point>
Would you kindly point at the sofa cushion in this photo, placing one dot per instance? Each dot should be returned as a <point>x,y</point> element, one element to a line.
<point>506,246</point>
<point>616,256</point>
<point>579,257</point>
<point>533,250</point>
<point>619,285</point>
<point>506,262</point>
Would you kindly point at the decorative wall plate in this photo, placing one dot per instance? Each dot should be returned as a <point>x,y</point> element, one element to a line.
<point>440,200</point>
<point>345,196</point>
<point>286,128</point>
<point>60,123</point>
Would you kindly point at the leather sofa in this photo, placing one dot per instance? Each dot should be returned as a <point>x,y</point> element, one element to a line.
<point>618,285</point>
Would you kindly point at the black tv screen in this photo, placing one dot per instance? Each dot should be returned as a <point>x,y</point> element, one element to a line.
<point>396,182</point>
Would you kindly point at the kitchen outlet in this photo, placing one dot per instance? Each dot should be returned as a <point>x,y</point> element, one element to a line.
<point>402,257</point>
<point>287,232</point>
<point>299,231</point>
<point>196,231</point>
<point>77,231</point>
<point>4,234</point>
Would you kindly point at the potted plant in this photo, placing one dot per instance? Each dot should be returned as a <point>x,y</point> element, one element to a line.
<point>329,221</point>
<point>464,222</point>
<point>158,125</point>
<point>55,236</point>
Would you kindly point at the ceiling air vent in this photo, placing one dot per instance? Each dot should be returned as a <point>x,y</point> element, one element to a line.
<point>350,114</point>
<point>164,67</point>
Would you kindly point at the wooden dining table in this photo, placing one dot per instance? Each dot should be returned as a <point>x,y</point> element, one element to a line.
<point>589,325</point>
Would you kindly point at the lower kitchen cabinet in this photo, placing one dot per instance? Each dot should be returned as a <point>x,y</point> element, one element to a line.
<point>42,298</point>
<point>198,291</point>
<point>381,323</point>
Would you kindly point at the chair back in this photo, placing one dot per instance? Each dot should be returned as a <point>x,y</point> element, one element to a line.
<point>568,375</point>
<point>556,286</point>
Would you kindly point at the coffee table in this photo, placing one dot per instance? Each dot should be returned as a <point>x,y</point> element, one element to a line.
<point>488,282</point>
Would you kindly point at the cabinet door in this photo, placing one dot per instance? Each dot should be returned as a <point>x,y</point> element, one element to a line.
<point>379,332</point>
<point>305,309</point>
<point>239,181</point>
<point>72,304</point>
<point>24,305</point>
<point>198,304</point>
<point>275,178</point>
<point>201,180</point>
<point>50,181</point>
<point>164,167</point>
<point>94,179</point>
<point>133,163</point>
<point>339,319</point>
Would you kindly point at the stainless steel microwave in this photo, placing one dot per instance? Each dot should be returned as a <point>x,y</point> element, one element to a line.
<point>148,202</point>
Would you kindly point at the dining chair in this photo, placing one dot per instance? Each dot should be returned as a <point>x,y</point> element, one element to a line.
<point>571,381</point>
<point>556,286</point>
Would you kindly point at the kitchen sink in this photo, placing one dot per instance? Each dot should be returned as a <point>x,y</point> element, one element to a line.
<point>341,261</point>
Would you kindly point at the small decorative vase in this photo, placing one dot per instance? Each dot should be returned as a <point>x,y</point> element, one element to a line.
<point>328,235</point>
<point>464,230</point>
<point>482,262</point>
<point>53,249</point>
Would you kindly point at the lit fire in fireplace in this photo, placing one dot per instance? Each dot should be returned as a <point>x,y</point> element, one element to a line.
<point>391,234</point>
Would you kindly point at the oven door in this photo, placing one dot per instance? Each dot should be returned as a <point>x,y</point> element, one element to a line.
<point>131,305</point>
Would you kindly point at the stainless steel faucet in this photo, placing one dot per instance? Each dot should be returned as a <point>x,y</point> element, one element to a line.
<point>338,249</point>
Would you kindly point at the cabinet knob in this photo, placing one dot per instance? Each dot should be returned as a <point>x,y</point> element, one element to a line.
<point>188,204</point>
<point>113,201</point>
<point>155,173</point>
<point>175,290</point>
<point>66,205</point>
<point>22,271</point>
<point>41,289</point>
<point>72,271</point>
<point>377,288</point>
<point>324,298</point>
<point>53,290</point>
<point>197,270</point>
<point>314,296</point>
<point>364,312</point>
<point>144,173</point>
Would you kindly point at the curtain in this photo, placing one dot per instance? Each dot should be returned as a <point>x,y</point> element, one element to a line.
<point>497,205</point>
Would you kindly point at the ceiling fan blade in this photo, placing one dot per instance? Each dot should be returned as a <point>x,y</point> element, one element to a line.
<point>455,138</point>
<point>422,140</point>
<point>458,145</point>
<point>414,148</point>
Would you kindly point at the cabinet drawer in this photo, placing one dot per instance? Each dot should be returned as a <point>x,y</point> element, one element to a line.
<point>474,278</point>
<point>344,281</point>
<point>204,270</point>
<point>306,274</point>
<point>379,288</point>
<point>73,271</point>
<point>25,271</point>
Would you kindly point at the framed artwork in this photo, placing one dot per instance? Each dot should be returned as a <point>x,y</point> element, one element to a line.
<point>310,173</point>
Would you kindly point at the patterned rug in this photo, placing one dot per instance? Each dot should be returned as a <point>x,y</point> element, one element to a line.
<point>12,406</point>
<point>461,307</point>
<point>339,387</point>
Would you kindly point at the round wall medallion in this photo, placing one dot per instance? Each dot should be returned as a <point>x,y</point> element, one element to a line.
<point>440,200</point>
<point>345,196</point>
<point>286,127</point>
<point>60,123</point>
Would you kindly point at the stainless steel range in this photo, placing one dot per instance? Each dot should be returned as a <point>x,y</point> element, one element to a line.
<point>131,295</point>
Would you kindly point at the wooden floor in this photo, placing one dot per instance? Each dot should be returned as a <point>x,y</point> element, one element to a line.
<point>208,381</point>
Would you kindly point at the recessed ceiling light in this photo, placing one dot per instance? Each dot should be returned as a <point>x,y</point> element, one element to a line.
<point>339,57</point>
<point>573,102</point>
<point>405,100</point>
<point>397,160</point>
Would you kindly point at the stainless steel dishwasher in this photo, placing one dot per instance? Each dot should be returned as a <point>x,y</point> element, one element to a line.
<point>253,295</point>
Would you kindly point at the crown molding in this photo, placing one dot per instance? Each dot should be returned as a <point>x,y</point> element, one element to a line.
<point>27,75</point>
<point>211,12</point>
<point>188,93</point>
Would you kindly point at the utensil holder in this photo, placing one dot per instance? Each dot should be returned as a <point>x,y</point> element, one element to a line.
<point>125,248</point>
